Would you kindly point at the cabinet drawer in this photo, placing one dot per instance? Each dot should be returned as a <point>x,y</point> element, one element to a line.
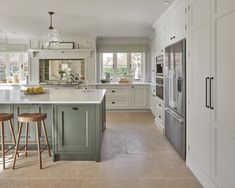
<point>160,104</point>
<point>160,116</point>
<point>117,92</point>
<point>117,103</point>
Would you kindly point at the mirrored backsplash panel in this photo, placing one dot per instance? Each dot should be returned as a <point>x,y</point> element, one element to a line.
<point>61,70</point>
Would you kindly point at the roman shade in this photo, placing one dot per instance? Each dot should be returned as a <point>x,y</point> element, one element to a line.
<point>121,48</point>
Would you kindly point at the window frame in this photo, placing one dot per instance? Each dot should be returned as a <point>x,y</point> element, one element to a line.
<point>129,65</point>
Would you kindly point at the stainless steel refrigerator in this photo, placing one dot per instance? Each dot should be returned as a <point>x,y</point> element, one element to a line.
<point>175,96</point>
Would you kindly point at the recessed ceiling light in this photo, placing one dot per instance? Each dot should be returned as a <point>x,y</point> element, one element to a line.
<point>167,2</point>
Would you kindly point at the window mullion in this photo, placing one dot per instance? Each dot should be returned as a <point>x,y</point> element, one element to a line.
<point>115,65</point>
<point>128,63</point>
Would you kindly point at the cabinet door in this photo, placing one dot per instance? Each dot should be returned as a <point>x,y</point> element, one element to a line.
<point>223,119</point>
<point>49,121</point>
<point>7,133</point>
<point>198,130</point>
<point>74,129</point>
<point>175,27</point>
<point>138,97</point>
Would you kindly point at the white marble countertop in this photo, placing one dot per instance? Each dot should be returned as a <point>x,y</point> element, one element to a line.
<point>53,96</point>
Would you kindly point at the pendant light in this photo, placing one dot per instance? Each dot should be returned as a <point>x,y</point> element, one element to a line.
<point>51,36</point>
<point>3,40</point>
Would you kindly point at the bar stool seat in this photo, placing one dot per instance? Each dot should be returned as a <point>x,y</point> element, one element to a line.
<point>6,117</point>
<point>32,117</point>
<point>27,118</point>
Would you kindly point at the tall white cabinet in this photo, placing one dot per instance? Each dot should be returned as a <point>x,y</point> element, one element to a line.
<point>199,127</point>
<point>211,91</point>
<point>223,115</point>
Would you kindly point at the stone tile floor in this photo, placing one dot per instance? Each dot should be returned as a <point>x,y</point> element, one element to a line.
<point>134,154</point>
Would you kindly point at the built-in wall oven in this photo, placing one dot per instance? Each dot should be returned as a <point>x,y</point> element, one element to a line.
<point>159,87</point>
<point>159,65</point>
<point>160,76</point>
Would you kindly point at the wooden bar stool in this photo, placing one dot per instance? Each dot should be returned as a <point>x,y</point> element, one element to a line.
<point>6,117</point>
<point>27,118</point>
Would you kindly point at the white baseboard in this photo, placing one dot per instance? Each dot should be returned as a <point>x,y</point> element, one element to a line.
<point>159,126</point>
<point>200,175</point>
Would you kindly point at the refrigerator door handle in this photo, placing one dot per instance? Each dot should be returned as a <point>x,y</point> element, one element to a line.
<point>207,78</point>
<point>211,107</point>
<point>173,115</point>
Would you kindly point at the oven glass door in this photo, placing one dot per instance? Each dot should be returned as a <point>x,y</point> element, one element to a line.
<point>159,91</point>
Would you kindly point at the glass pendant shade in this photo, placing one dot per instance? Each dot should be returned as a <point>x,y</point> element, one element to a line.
<point>51,36</point>
<point>3,40</point>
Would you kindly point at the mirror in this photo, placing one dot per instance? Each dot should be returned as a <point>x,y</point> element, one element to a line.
<point>62,70</point>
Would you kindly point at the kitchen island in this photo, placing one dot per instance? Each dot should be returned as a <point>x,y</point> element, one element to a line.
<point>75,119</point>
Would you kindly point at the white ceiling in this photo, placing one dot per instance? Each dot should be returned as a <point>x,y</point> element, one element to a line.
<point>105,18</point>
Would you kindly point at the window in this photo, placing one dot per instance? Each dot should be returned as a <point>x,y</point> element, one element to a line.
<point>13,67</point>
<point>120,64</point>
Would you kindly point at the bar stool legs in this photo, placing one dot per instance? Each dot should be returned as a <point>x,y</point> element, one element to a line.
<point>17,144</point>
<point>46,139</point>
<point>39,120</point>
<point>6,117</point>
<point>39,145</point>
<point>3,145</point>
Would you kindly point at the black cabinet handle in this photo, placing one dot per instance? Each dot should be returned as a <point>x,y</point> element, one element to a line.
<point>160,105</point>
<point>173,37</point>
<point>113,102</point>
<point>160,117</point>
<point>207,78</point>
<point>74,108</point>
<point>211,107</point>
<point>113,91</point>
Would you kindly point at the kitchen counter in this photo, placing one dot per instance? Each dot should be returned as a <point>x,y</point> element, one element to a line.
<point>53,96</point>
<point>75,119</point>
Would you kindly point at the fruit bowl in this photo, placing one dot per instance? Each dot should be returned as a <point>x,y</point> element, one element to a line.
<point>34,91</point>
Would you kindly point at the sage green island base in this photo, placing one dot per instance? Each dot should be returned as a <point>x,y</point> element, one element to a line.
<point>75,120</point>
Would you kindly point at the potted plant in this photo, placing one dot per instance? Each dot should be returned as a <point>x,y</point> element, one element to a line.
<point>61,73</point>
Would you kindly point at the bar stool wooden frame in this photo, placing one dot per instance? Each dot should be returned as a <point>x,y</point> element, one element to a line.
<point>27,118</point>
<point>6,117</point>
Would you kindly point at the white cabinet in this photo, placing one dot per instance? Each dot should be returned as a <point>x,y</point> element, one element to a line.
<point>160,37</point>
<point>152,96</point>
<point>223,115</point>
<point>160,114</point>
<point>211,130</point>
<point>126,96</point>
<point>138,97</point>
<point>117,97</point>
<point>198,114</point>
<point>175,23</point>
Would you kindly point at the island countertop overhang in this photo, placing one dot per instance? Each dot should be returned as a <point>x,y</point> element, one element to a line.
<point>53,96</point>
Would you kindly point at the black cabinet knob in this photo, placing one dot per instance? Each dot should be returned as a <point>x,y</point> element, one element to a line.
<point>113,91</point>
<point>113,102</point>
<point>160,117</point>
<point>74,108</point>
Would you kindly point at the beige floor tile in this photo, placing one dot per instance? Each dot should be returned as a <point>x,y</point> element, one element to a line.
<point>170,183</point>
<point>134,154</point>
